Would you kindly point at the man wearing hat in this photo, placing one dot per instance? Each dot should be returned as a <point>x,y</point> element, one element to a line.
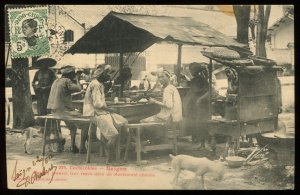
<point>42,83</point>
<point>104,118</point>
<point>107,70</point>
<point>60,101</point>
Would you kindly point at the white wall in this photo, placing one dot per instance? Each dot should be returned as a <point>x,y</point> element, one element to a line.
<point>281,56</point>
<point>283,35</point>
<point>77,60</point>
<point>62,19</point>
<point>278,49</point>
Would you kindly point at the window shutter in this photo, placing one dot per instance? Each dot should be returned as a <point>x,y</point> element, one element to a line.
<point>69,36</point>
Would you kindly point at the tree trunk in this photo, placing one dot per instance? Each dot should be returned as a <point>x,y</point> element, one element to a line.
<point>262,27</point>
<point>242,16</point>
<point>260,44</point>
<point>21,96</point>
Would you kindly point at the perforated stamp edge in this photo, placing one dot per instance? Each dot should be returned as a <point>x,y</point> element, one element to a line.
<point>38,52</point>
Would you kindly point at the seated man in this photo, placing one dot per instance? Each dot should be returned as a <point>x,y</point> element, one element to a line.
<point>171,107</point>
<point>103,117</point>
<point>60,101</point>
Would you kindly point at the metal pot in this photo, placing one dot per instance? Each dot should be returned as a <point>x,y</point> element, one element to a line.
<point>235,161</point>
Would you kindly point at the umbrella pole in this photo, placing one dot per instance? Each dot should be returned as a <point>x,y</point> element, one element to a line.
<point>121,66</point>
<point>179,62</point>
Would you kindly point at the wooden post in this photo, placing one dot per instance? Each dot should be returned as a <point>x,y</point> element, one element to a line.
<point>88,156</point>
<point>138,146</point>
<point>238,100</point>
<point>174,129</point>
<point>179,62</point>
<point>127,144</point>
<point>121,67</point>
<point>118,149</point>
<point>210,87</point>
<point>44,137</point>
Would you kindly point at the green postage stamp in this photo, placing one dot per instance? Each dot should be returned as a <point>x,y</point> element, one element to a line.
<point>28,32</point>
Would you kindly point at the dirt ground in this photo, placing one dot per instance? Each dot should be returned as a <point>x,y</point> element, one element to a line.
<point>257,177</point>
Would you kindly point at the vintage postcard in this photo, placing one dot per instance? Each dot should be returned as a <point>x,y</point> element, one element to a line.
<point>194,97</point>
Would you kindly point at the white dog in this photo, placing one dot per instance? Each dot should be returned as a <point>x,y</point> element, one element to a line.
<point>32,132</point>
<point>29,133</point>
<point>200,166</point>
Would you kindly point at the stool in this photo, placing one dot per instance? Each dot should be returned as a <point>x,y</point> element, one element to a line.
<point>56,132</point>
<point>137,127</point>
<point>77,120</point>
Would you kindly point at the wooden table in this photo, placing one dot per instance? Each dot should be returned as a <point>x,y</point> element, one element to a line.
<point>133,112</point>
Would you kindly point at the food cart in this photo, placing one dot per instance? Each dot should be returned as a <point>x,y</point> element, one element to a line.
<point>254,109</point>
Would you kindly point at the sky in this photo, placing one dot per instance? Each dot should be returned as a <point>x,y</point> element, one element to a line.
<point>97,12</point>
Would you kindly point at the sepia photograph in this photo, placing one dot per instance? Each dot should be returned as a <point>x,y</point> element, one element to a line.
<point>150,97</point>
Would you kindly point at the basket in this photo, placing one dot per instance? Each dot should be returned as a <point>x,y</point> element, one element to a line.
<point>244,53</point>
<point>225,54</point>
<point>230,63</point>
<point>235,161</point>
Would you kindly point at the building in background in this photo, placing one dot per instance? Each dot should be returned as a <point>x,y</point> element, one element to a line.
<point>281,40</point>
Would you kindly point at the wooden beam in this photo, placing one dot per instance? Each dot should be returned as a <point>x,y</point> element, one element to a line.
<point>210,87</point>
<point>179,62</point>
<point>121,67</point>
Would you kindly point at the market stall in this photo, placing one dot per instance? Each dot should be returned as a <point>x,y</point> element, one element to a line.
<point>252,109</point>
<point>125,33</point>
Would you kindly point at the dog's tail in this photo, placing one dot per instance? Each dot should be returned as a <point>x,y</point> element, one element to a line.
<point>171,156</point>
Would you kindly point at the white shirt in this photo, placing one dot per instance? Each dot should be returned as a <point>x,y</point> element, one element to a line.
<point>172,104</point>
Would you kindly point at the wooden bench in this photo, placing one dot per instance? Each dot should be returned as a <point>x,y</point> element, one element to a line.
<point>79,121</point>
<point>138,147</point>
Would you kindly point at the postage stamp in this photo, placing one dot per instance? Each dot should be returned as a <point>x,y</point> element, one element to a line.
<point>29,32</point>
